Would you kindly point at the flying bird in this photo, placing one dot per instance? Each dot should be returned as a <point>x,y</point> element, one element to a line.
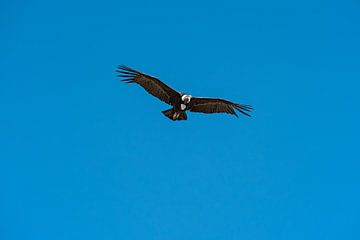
<point>180,102</point>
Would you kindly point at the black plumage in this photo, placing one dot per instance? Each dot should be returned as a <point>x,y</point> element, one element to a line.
<point>180,102</point>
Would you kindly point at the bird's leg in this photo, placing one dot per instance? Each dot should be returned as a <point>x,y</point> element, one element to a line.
<point>176,115</point>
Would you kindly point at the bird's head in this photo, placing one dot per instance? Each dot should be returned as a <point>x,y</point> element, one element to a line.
<point>186,98</point>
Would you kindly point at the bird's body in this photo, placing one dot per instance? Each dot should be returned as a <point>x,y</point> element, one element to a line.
<point>178,112</point>
<point>180,102</point>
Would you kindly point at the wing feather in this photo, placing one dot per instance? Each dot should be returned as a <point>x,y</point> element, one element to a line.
<point>151,84</point>
<point>217,105</point>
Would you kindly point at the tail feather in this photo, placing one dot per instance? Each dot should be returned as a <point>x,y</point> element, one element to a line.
<point>174,115</point>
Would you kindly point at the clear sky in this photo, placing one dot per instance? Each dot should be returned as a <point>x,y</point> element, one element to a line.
<point>84,156</point>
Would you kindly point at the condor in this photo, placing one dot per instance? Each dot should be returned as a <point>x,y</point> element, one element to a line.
<point>180,102</point>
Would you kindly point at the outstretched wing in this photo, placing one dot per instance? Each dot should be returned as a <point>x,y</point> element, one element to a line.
<point>151,84</point>
<point>217,105</point>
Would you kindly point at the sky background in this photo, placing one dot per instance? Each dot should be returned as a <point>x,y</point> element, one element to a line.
<point>83,156</point>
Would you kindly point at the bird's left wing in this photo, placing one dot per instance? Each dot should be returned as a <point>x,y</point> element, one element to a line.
<point>217,105</point>
<point>151,84</point>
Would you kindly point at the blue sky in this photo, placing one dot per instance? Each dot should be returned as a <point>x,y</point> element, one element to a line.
<point>84,156</point>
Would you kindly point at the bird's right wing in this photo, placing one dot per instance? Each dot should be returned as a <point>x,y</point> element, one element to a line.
<point>151,84</point>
